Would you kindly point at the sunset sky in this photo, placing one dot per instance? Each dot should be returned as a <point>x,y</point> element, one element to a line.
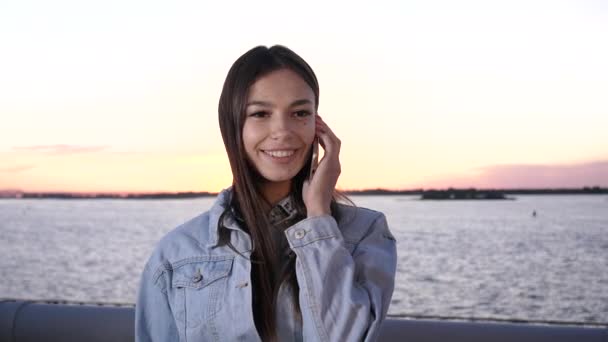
<point>121,96</point>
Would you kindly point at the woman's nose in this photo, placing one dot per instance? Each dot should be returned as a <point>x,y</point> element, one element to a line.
<point>281,126</point>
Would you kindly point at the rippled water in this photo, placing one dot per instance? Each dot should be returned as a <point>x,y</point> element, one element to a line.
<point>456,258</point>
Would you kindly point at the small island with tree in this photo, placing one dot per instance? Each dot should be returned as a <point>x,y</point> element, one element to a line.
<point>464,194</point>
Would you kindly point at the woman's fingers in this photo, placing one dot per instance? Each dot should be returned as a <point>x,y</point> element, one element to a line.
<point>317,193</point>
<point>328,140</point>
<point>331,146</point>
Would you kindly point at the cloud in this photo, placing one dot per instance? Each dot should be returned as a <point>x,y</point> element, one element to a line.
<point>60,149</point>
<point>531,176</point>
<point>17,169</point>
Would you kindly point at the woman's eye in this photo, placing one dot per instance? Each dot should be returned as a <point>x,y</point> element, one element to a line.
<point>302,113</point>
<point>258,114</point>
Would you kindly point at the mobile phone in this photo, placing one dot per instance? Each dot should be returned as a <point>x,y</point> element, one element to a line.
<point>314,157</point>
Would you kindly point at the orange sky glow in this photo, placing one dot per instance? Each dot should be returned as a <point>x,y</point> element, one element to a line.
<point>121,96</point>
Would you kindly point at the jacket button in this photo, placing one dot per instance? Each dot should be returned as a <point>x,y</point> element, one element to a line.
<point>197,277</point>
<point>300,234</point>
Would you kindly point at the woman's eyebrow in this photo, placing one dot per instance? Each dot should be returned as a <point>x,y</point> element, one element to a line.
<point>269,104</point>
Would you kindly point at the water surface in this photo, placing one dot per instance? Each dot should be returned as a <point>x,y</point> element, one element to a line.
<point>455,258</point>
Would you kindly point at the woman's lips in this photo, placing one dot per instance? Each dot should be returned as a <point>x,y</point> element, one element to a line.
<point>280,156</point>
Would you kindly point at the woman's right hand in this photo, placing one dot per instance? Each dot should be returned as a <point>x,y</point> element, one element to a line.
<point>317,193</point>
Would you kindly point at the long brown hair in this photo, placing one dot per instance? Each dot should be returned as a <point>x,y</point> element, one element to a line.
<point>247,197</point>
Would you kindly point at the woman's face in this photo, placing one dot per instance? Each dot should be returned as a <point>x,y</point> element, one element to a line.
<point>279,125</point>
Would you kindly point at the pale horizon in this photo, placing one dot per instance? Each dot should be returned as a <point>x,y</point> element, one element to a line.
<point>506,177</point>
<point>121,96</point>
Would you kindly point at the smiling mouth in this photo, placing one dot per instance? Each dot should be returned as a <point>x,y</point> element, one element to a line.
<point>280,153</point>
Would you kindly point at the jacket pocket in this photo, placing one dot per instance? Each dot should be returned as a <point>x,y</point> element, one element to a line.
<point>199,286</point>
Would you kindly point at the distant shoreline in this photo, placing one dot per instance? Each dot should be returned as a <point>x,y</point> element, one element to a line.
<point>595,190</point>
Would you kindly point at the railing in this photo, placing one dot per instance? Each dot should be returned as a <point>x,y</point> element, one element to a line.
<point>24,321</point>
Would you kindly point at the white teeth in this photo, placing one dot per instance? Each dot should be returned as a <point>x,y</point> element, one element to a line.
<point>280,154</point>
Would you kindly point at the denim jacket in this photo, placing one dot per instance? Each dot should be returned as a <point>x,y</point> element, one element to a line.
<point>196,288</point>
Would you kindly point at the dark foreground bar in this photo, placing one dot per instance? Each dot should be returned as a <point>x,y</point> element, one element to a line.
<point>24,321</point>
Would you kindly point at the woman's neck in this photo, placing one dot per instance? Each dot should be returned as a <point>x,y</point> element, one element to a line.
<point>275,191</point>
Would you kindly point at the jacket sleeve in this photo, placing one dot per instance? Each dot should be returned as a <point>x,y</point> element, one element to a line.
<point>153,317</point>
<point>343,296</point>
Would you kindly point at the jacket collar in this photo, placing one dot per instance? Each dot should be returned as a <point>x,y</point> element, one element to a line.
<point>215,213</point>
<point>282,212</point>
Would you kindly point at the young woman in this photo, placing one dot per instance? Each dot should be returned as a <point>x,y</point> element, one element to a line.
<point>276,258</point>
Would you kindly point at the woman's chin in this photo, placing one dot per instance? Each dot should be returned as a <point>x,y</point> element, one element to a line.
<point>280,173</point>
<point>276,175</point>
<point>278,178</point>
